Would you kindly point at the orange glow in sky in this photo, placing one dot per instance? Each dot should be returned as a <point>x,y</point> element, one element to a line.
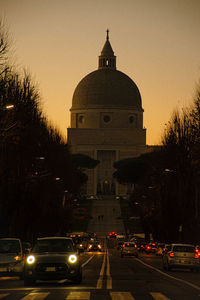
<point>156,42</point>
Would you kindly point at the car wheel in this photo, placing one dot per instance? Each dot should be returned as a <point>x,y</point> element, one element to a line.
<point>28,282</point>
<point>21,276</point>
<point>163,265</point>
<point>168,267</point>
<point>78,278</point>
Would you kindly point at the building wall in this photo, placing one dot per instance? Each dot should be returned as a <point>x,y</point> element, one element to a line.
<point>106,144</point>
<point>95,118</point>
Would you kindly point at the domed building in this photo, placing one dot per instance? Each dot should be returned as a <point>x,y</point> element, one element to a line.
<point>106,122</point>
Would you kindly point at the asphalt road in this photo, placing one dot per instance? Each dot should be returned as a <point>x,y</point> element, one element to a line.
<point>108,276</point>
<point>106,217</point>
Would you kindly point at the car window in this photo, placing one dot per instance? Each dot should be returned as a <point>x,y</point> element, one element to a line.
<point>189,249</point>
<point>53,245</point>
<point>9,246</point>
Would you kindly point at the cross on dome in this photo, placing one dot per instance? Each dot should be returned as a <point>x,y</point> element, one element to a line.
<point>107,59</point>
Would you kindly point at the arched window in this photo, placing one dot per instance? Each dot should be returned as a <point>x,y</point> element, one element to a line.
<point>131,119</point>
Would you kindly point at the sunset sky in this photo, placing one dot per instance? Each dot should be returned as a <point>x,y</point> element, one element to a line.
<point>157,44</point>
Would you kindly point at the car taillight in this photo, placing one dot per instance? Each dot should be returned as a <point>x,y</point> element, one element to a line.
<point>171,254</point>
<point>196,255</point>
<point>123,245</point>
<point>135,246</point>
<point>148,247</point>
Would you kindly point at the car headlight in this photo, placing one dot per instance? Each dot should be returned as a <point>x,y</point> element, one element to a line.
<point>18,258</point>
<point>30,259</point>
<point>72,258</point>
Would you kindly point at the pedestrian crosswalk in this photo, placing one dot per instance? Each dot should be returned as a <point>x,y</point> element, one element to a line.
<point>79,295</point>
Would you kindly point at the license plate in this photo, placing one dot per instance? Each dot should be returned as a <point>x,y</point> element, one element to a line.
<point>3,269</point>
<point>50,269</point>
<point>182,261</point>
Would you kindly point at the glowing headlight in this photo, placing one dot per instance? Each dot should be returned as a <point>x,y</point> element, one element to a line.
<point>30,259</point>
<point>72,258</point>
<point>17,258</point>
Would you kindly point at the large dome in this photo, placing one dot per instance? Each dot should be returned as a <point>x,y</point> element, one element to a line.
<point>106,88</point>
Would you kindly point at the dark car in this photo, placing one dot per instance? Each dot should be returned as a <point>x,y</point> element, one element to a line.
<point>94,246</point>
<point>52,258</point>
<point>11,257</point>
<point>150,248</point>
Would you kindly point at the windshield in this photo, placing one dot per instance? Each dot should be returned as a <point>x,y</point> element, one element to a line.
<point>9,246</point>
<point>130,245</point>
<point>53,245</point>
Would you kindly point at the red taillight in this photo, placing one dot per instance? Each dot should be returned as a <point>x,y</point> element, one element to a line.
<point>171,254</point>
<point>123,245</point>
<point>153,244</point>
<point>148,247</point>
<point>196,255</point>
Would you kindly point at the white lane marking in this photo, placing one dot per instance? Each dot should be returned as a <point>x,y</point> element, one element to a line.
<point>167,275</point>
<point>49,288</point>
<point>78,296</point>
<point>3,295</point>
<point>109,278</point>
<point>159,296</point>
<point>35,296</point>
<point>85,263</point>
<point>121,296</point>
<point>100,280</point>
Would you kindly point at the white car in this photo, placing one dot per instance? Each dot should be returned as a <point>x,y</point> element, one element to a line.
<point>11,257</point>
<point>180,256</point>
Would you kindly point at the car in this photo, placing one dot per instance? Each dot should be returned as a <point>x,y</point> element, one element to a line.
<point>150,248</point>
<point>52,258</point>
<point>94,246</point>
<point>160,248</point>
<point>119,245</point>
<point>112,235</point>
<point>11,257</point>
<point>180,256</point>
<point>129,249</point>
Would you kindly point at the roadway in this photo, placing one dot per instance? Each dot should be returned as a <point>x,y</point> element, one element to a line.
<point>107,276</point>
